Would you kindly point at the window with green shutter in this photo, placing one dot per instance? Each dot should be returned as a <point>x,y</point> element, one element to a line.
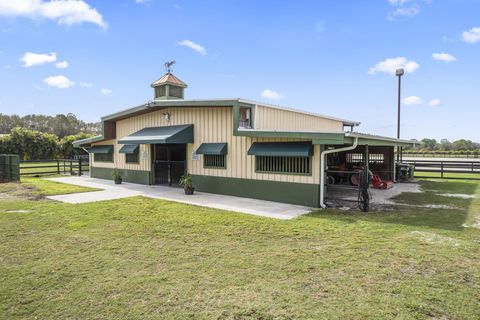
<point>214,161</point>
<point>132,157</point>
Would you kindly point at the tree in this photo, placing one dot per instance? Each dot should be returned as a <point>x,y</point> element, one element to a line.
<point>429,144</point>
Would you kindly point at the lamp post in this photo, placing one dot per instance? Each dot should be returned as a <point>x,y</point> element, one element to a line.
<point>399,73</point>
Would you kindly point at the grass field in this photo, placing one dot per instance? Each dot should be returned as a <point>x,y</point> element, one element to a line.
<point>419,174</point>
<point>141,258</point>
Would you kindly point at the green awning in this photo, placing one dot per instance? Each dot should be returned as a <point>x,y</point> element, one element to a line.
<point>101,149</point>
<point>282,149</point>
<point>160,135</point>
<point>212,148</point>
<point>129,148</point>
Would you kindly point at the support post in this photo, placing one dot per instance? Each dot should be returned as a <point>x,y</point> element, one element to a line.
<point>80,166</point>
<point>58,166</point>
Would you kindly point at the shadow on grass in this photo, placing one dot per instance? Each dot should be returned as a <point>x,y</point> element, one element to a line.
<point>415,209</point>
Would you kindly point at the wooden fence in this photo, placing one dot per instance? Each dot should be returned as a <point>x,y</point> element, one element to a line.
<point>469,170</point>
<point>56,166</point>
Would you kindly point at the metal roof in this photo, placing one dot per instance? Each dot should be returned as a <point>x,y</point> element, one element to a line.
<point>212,148</point>
<point>168,78</point>
<point>281,149</point>
<point>167,134</point>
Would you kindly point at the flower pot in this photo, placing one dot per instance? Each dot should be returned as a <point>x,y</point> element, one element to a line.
<point>118,180</point>
<point>189,191</point>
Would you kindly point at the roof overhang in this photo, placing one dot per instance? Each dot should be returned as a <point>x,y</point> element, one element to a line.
<point>212,149</point>
<point>87,142</point>
<point>281,149</point>
<point>328,138</point>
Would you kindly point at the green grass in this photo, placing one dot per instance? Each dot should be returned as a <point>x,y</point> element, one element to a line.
<point>141,258</point>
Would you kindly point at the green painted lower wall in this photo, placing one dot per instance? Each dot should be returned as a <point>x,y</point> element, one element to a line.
<point>294,193</point>
<point>133,176</point>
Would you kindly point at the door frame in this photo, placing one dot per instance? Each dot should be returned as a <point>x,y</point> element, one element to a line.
<point>153,162</point>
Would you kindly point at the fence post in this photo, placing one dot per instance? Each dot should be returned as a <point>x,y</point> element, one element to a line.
<point>71,169</point>
<point>441,172</point>
<point>58,166</point>
<point>80,166</point>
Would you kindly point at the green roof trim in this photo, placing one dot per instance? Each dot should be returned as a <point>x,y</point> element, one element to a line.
<point>161,135</point>
<point>79,143</point>
<point>101,149</point>
<point>212,149</point>
<point>128,149</point>
<point>282,149</point>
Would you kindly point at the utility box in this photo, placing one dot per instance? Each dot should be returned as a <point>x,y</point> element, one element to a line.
<point>9,168</point>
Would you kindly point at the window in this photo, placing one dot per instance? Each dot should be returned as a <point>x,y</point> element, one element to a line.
<point>289,165</point>
<point>103,157</point>
<point>377,158</point>
<point>214,161</point>
<point>132,157</point>
<point>244,118</point>
<point>354,157</point>
<point>160,91</point>
<point>175,92</point>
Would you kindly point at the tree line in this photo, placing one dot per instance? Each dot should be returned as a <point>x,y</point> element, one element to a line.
<point>60,125</point>
<point>35,145</point>
<point>445,145</point>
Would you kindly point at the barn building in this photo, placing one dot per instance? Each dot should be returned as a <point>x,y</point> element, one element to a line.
<point>235,147</point>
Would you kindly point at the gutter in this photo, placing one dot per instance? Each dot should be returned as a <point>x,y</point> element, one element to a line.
<point>322,168</point>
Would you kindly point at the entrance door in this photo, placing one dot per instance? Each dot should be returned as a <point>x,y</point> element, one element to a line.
<point>169,163</point>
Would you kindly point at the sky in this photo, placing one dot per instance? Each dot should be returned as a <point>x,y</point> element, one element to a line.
<point>337,58</point>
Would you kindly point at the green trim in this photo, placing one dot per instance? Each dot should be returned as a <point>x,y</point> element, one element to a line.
<point>129,148</point>
<point>281,149</point>
<point>315,137</point>
<point>286,192</point>
<point>133,176</point>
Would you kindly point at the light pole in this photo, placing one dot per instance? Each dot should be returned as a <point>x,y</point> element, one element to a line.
<point>399,73</point>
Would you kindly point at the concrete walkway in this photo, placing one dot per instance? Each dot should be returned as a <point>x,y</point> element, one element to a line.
<point>112,191</point>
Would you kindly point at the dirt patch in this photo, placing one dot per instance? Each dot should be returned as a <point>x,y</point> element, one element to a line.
<point>436,239</point>
<point>13,191</point>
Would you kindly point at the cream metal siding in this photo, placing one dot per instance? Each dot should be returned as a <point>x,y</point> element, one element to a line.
<point>279,119</point>
<point>213,124</point>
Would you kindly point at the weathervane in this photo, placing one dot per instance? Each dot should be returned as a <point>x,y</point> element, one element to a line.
<point>168,66</point>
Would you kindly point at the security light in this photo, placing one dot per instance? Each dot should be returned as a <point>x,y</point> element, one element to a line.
<point>399,72</point>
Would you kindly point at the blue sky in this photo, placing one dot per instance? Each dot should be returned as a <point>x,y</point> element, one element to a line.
<point>330,57</point>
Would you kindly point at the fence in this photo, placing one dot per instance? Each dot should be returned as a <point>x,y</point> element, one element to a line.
<point>469,170</point>
<point>453,155</point>
<point>57,166</point>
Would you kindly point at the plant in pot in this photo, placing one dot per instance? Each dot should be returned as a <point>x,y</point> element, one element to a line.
<point>117,176</point>
<point>186,181</point>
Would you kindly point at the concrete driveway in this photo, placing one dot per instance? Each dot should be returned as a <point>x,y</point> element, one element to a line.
<point>112,191</point>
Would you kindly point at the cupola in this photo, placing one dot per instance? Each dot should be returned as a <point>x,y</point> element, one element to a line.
<point>168,86</point>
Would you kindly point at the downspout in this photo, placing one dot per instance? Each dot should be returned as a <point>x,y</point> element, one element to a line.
<point>322,168</point>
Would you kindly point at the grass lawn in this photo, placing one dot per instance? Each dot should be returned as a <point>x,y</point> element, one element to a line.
<point>140,258</point>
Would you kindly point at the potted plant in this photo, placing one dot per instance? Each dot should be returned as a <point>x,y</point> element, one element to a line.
<point>186,181</point>
<point>117,176</point>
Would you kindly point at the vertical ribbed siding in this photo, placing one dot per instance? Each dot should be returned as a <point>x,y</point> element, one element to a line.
<point>212,124</point>
<point>277,119</point>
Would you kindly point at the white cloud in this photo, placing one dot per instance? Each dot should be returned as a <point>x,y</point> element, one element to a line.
<point>443,57</point>
<point>472,35</point>
<point>66,12</point>
<point>106,92</point>
<point>30,59</point>
<point>434,102</point>
<point>391,64</point>
<point>272,95</point>
<point>407,11</point>
<point>142,1</point>
<point>60,82</point>
<point>412,100</point>
<point>62,64</point>
<point>398,2</point>
<point>194,46</point>
<point>85,84</point>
